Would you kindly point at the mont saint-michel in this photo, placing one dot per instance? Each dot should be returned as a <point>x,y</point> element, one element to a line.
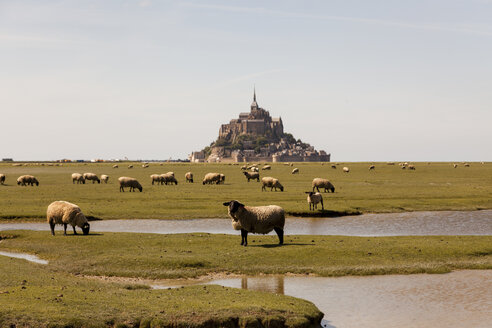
<point>257,137</point>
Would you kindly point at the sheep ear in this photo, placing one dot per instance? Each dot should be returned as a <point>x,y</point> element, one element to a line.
<point>239,204</point>
<point>226,203</point>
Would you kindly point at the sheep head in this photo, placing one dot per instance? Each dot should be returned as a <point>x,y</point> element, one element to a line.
<point>85,228</point>
<point>233,207</point>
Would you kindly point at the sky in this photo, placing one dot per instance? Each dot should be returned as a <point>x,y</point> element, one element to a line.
<point>147,79</point>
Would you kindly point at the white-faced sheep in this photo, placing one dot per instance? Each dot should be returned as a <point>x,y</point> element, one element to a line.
<point>169,178</point>
<point>372,167</point>
<point>2,178</point>
<point>346,169</point>
<point>77,177</point>
<point>252,176</point>
<point>266,167</point>
<point>324,184</point>
<point>295,171</point>
<point>61,212</point>
<point>91,177</point>
<point>211,178</point>
<point>271,183</point>
<point>129,182</point>
<point>115,166</point>
<point>189,177</point>
<point>260,219</point>
<point>104,178</point>
<point>313,199</point>
<point>25,180</point>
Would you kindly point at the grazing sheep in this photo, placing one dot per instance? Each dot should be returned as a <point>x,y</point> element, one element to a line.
<point>61,212</point>
<point>295,171</point>
<point>252,176</point>
<point>455,165</point>
<point>104,178</point>
<point>189,177</point>
<point>313,199</point>
<point>466,165</point>
<point>78,177</point>
<point>272,183</point>
<point>25,180</point>
<point>211,178</point>
<point>145,166</point>
<point>334,167</point>
<point>129,182</point>
<point>91,177</point>
<point>255,169</point>
<point>221,179</point>
<point>115,166</point>
<point>244,167</point>
<point>322,183</point>
<point>260,219</point>
<point>372,167</point>
<point>346,169</point>
<point>411,167</point>
<point>169,178</point>
<point>156,178</point>
<point>291,164</point>
<point>130,166</point>
<point>2,178</point>
<point>266,167</point>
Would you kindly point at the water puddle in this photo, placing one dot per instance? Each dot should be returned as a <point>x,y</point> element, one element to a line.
<point>28,257</point>
<point>388,224</point>
<point>423,300</point>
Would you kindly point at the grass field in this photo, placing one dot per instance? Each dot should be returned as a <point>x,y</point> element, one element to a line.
<point>191,255</point>
<point>33,295</point>
<point>388,188</point>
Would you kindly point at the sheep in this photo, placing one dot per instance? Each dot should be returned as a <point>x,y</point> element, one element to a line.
<point>130,166</point>
<point>255,169</point>
<point>260,219</point>
<point>252,176</point>
<point>129,182</point>
<point>291,164</point>
<point>466,165</point>
<point>313,199</point>
<point>2,178</point>
<point>61,212</point>
<point>322,183</point>
<point>334,167</point>
<point>295,171</point>
<point>27,180</point>
<point>411,167</point>
<point>272,183</point>
<point>455,165</point>
<point>346,169</point>
<point>403,167</point>
<point>189,177</point>
<point>211,178</point>
<point>145,166</point>
<point>372,167</point>
<point>244,167</point>
<point>115,166</point>
<point>390,163</point>
<point>169,178</point>
<point>92,177</point>
<point>104,178</point>
<point>221,178</point>
<point>78,177</point>
<point>156,178</point>
<point>266,167</point>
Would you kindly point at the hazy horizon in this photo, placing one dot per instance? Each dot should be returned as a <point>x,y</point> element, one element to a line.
<point>364,81</point>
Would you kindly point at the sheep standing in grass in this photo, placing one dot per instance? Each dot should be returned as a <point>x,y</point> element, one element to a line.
<point>221,179</point>
<point>334,167</point>
<point>129,182</point>
<point>260,219</point>
<point>77,177</point>
<point>244,167</point>
<point>189,177</point>
<point>313,199</point>
<point>271,183</point>
<point>2,178</point>
<point>295,171</point>
<point>322,183</point>
<point>156,178</point>
<point>130,166</point>
<point>466,165</point>
<point>266,167</point>
<point>115,166</point>
<point>372,167</point>
<point>25,180</point>
<point>346,169</point>
<point>252,176</point>
<point>455,165</point>
<point>91,177</point>
<point>61,212</point>
<point>169,178</point>
<point>211,178</point>
<point>104,178</point>
<point>411,167</point>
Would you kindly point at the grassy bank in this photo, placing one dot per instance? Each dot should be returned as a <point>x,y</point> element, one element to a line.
<point>34,296</point>
<point>435,186</point>
<point>192,255</point>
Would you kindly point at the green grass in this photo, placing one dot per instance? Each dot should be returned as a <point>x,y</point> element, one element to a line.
<point>435,186</point>
<point>192,255</point>
<point>32,295</point>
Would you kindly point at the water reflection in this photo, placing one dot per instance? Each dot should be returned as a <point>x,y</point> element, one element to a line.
<point>273,284</point>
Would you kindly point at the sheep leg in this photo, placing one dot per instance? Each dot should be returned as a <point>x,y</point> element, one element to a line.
<point>52,227</point>
<point>244,237</point>
<point>280,234</point>
<point>322,206</point>
<point>74,232</point>
<point>65,229</point>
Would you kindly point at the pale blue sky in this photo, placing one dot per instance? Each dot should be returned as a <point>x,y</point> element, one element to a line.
<point>363,80</point>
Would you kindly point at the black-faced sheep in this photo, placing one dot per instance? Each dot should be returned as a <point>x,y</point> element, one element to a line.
<point>189,177</point>
<point>295,171</point>
<point>156,178</point>
<point>115,166</point>
<point>372,167</point>
<point>252,176</point>
<point>77,177</point>
<point>61,212</point>
<point>91,177</point>
<point>271,183</point>
<point>169,178</point>
<point>322,183</point>
<point>266,167</point>
<point>411,167</point>
<point>260,219</point>
<point>334,167</point>
<point>2,178</point>
<point>313,199</point>
<point>25,180</point>
<point>346,169</point>
<point>129,182</point>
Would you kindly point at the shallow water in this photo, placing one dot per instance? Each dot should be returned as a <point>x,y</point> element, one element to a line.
<point>28,257</point>
<point>457,299</point>
<point>388,224</point>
